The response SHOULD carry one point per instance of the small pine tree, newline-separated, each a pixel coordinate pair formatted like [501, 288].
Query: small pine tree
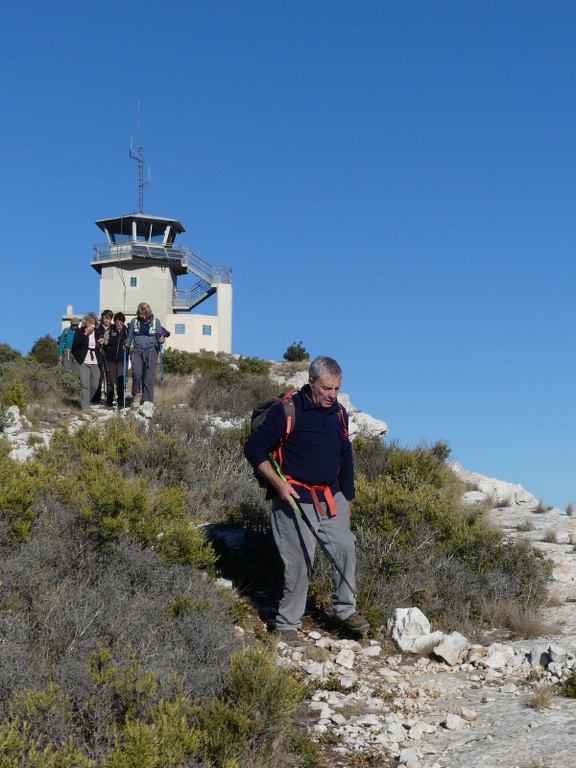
[296, 352]
[45, 351]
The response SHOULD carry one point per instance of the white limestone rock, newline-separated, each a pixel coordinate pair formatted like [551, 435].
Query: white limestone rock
[405, 625]
[451, 648]
[454, 722]
[503, 493]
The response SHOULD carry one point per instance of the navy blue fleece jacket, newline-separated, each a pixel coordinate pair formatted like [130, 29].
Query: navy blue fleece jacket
[315, 452]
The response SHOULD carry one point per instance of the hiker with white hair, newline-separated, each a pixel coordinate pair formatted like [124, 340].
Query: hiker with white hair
[85, 352]
[145, 337]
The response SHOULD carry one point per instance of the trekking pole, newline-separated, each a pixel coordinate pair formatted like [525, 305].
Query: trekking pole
[323, 547]
[125, 375]
[161, 375]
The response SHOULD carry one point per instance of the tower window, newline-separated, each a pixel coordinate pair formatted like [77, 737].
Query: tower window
[206, 330]
[180, 328]
[133, 282]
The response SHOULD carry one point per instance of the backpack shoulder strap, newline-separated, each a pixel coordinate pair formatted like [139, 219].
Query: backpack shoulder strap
[343, 421]
[289, 411]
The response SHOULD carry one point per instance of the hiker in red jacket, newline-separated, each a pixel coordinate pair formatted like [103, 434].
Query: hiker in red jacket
[316, 462]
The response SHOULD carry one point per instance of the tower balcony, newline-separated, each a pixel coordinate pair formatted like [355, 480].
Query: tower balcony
[173, 256]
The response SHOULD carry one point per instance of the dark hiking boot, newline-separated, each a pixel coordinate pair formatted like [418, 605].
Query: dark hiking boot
[290, 638]
[356, 623]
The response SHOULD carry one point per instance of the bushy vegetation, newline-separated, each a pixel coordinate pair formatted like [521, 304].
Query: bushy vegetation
[45, 351]
[419, 546]
[296, 352]
[119, 649]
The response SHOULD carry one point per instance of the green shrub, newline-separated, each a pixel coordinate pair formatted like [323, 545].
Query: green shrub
[417, 545]
[253, 365]
[259, 698]
[296, 352]
[166, 738]
[40, 383]
[177, 361]
[568, 688]
[14, 394]
[20, 484]
[45, 351]
[7, 354]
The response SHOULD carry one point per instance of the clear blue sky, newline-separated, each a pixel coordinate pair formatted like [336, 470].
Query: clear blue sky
[392, 182]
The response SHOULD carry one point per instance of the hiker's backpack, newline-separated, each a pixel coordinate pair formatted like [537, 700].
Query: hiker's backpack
[259, 417]
[261, 411]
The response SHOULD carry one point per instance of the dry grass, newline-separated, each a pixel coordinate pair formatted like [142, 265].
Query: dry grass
[542, 697]
[570, 509]
[527, 525]
[520, 621]
[542, 508]
[550, 536]
[174, 391]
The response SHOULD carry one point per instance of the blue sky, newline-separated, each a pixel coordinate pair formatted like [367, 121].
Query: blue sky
[392, 182]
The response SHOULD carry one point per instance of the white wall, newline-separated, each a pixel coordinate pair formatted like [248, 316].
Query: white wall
[154, 285]
[193, 339]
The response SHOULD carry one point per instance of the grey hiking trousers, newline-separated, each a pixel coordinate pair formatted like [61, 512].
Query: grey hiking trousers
[296, 546]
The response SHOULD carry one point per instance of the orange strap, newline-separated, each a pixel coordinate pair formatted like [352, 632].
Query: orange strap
[313, 492]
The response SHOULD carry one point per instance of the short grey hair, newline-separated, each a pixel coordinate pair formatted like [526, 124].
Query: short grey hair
[322, 365]
[144, 305]
[90, 316]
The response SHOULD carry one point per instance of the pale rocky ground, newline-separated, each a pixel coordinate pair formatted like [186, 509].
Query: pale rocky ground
[469, 708]
[474, 711]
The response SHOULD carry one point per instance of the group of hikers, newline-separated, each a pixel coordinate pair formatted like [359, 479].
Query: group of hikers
[103, 349]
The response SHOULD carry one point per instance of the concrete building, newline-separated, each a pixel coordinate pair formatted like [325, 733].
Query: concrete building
[140, 261]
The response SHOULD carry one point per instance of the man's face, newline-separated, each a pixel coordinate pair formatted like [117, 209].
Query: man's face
[325, 389]
[145, 314]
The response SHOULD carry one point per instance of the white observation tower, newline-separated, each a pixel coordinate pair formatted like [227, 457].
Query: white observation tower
[140, 261]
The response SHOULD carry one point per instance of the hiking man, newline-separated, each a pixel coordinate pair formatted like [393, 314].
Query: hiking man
[144, 339]
[315, 459]
[65, 345]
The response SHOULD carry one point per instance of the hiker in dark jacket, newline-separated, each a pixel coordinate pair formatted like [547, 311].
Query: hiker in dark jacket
[115, 352]
[85, 352]
[316, 460]
[104, 329]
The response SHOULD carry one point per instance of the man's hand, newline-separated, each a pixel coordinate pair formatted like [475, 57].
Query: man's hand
[284, 490]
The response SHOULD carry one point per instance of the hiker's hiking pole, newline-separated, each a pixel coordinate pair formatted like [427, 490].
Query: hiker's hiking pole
[161, 375]
[323, 547]
[125, 376]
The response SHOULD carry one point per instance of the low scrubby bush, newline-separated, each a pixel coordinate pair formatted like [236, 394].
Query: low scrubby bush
[418, 546]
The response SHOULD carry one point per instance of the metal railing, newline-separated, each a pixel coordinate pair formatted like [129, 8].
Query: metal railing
[179, 253]
[190, 297]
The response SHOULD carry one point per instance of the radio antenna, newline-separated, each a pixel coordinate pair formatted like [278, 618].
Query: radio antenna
[139, 157]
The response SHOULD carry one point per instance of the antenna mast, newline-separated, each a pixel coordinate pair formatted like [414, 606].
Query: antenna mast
[139, 157]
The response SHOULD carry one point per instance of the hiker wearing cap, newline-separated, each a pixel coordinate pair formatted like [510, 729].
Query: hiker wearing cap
[315, 479]
[115, 352]
[65, 345]
[85, 352]
[144, 340]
